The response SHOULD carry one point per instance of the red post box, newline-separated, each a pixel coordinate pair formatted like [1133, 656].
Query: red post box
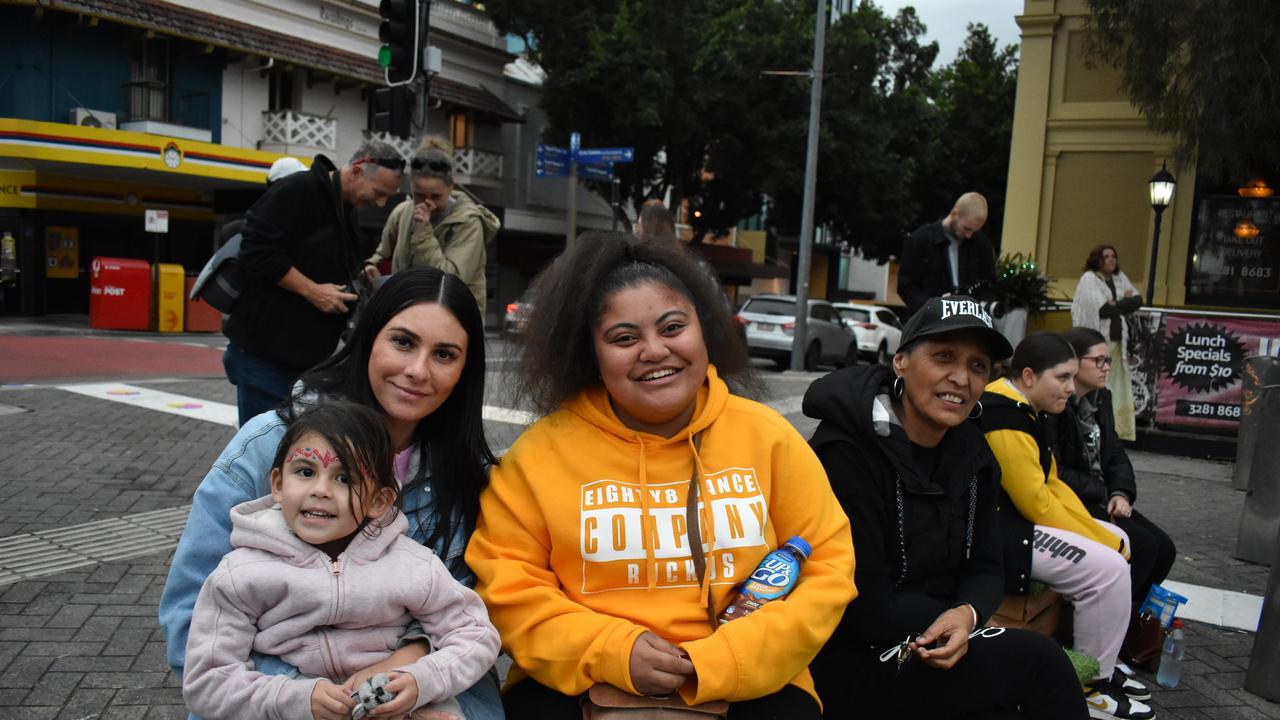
[119, 294]
[200, 315]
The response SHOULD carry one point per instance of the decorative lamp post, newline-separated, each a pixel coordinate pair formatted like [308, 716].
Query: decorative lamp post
[1161, 186]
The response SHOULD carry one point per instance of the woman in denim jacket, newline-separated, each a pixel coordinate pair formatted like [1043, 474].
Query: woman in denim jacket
[417, 356]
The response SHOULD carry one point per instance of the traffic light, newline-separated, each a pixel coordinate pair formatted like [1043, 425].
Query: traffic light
[400, 35]
[391, 111]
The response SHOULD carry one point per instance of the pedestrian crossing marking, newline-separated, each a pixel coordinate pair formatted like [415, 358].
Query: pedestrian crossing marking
[222, 413]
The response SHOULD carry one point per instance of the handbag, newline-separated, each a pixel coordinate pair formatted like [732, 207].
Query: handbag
[1143, 641]
[606, 702]
[222, 279]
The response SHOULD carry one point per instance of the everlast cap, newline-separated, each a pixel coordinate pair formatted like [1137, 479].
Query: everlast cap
[956, 313]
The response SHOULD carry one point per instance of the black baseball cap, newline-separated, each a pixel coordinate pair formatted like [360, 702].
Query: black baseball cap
[956, 313]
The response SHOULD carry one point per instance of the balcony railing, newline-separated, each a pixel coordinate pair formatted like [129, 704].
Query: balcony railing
[473, 163]
[290, 127]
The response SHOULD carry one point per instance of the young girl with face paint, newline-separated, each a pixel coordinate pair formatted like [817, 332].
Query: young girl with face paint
[1050, 536]
[619, 524]
[323, 576]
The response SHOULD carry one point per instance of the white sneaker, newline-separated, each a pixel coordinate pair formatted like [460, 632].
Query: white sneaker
[1134, 689]
[1128, 671]
[1109, 702]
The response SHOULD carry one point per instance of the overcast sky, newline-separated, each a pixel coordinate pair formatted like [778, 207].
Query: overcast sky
[946, 20]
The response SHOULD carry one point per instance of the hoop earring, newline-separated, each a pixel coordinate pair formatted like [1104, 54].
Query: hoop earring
[898, 386]
[976, 412]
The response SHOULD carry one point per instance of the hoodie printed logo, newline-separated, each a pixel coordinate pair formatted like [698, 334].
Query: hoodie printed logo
[622, 547]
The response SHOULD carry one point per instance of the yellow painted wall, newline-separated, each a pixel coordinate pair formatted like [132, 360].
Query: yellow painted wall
[1080, 159]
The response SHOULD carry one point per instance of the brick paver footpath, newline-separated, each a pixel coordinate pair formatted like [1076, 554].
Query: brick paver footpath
[84, 643]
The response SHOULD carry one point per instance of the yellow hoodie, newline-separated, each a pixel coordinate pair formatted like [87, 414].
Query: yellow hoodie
[572, 576]
[1048, 502]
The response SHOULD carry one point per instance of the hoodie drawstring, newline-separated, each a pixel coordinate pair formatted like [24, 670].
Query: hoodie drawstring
[695, 482]
[646, 536]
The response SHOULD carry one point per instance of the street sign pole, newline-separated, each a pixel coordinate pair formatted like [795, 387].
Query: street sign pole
[810, 187]
[571, 226]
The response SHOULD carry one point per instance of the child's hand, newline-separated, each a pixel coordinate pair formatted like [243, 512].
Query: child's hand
[330, 702]
[406, 689]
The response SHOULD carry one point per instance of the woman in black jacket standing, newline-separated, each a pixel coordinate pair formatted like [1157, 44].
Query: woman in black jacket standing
[1092, 461]
[920, 487]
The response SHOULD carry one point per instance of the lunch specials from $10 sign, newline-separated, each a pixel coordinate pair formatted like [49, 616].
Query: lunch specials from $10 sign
[613, 525]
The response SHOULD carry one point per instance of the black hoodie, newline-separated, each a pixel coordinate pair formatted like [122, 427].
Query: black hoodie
[946, 523]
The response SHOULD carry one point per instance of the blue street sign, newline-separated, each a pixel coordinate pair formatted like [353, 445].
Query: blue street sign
[600, 156]
[554, 153]
[596, 172]
[550, 167]
[575, 142]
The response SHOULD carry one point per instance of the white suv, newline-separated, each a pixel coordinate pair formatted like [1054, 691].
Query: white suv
[878, 330]
[769, 322]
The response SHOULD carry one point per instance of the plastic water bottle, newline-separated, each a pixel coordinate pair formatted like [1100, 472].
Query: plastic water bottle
[773, 578]
[1171, 657]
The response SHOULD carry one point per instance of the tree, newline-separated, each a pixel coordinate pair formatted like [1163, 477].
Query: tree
[974, 96]
[1203, 71]
[678, 81]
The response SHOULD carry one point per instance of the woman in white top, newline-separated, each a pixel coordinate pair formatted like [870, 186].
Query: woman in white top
[1104, 297]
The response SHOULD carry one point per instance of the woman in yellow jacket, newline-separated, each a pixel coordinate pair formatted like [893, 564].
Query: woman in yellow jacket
[1050, 536]
[597, 564]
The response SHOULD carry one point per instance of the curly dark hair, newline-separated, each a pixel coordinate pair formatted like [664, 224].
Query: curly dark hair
[1094, 261]
[557, 358]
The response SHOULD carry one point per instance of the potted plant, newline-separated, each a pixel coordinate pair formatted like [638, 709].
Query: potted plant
[1023, 289]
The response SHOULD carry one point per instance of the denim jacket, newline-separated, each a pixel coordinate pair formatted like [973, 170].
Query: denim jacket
[241, 473]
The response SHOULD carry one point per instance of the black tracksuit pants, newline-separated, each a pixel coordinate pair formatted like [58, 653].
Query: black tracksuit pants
[1004, 674]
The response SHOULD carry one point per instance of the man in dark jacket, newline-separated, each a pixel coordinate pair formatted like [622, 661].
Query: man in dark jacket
[300, 249]
[947, 256]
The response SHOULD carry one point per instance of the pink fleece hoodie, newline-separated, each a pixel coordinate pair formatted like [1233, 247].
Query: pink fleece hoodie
[277, 595]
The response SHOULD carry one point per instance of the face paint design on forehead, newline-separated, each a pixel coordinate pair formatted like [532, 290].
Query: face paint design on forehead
[325, 459]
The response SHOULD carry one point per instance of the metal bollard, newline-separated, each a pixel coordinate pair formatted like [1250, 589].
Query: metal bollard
[1260, 520]
[1259, 370]
[1263, 676]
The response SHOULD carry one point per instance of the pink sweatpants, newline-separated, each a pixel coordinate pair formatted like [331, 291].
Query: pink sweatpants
[1092, 577]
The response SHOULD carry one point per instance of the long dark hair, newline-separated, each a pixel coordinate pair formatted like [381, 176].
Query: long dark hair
[1040, 351]
[359, 437]
[451, 442]
[558, 357]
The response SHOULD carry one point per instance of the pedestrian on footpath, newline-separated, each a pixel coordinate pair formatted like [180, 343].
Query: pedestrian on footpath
[920, 487]
[614, 532]
[300, 250]
[1050, 536]
[323, 576]
[949, 256]
[442, 225]
[416, 356]
[1105, 300]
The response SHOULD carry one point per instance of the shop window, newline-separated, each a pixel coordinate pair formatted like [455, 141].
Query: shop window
[461, 129]
[148, 85]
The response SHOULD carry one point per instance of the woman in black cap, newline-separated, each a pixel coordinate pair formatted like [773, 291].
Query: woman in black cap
[920, 486]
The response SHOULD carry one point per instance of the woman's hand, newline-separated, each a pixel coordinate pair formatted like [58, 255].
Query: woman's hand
[1118, 506]
[657, 666]
[331, 702]
[422, 210]
[406, 689]
[411, 652]
[952, 629]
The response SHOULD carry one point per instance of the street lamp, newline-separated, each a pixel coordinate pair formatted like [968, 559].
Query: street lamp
[1161, 186]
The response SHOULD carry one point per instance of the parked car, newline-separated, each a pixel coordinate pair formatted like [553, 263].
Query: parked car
[517, 316]
[877, 328]
[770, 322]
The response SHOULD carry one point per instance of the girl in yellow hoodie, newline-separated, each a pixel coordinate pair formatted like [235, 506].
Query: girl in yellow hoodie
[583, 549]
[1050, 536]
